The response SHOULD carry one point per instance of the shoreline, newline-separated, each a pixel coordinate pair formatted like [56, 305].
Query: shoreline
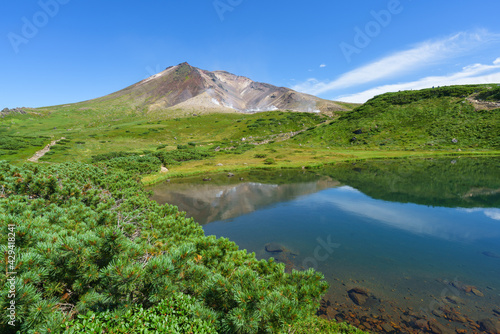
[199, 167]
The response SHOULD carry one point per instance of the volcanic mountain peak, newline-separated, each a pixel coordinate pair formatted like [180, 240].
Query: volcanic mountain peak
[186, 87]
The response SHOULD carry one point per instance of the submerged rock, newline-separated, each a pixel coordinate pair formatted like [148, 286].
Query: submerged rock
[491, 254]
[436, 328]
[489, 326]
[462, 287]
[387, 328]
[359, 295]
[477, 292]
[454, 300]
[421, 324]
[273, 247]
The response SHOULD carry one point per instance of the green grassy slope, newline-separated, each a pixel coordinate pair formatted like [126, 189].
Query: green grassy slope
[429, 119]
[90, 132]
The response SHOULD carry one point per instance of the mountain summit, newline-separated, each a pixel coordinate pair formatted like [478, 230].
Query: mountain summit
[187, 87]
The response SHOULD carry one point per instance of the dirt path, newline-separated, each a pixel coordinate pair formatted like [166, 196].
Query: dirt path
[42, 152]
[481, 105]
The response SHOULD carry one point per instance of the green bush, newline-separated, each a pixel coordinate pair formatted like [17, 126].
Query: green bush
[178, 313]
[110, 155]
[92, 240]
[16, 143]
[137, 164]
[492, 94]
[260, 156]
[180, 155]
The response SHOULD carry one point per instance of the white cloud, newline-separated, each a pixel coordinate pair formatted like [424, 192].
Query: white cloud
[490, 213]
[421, 55]
[473, 74]
[348, 189]
[497, 61]
[412, 218]
[324, 65]
[493, 214]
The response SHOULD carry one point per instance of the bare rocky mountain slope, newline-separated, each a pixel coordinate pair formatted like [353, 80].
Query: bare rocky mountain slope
[187, 87]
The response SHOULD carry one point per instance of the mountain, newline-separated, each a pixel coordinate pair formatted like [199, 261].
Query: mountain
[190, 88]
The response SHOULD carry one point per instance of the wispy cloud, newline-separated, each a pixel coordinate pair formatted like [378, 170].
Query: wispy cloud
[412, 218]
[322, 65]
[491, 213]
[474, 74]
[402, 62]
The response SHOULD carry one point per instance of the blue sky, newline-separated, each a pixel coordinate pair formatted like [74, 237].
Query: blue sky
[62, 51]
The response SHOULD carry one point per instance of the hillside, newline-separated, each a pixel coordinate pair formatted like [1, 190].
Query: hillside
[455, 117]
[429, 121]
[189, 88]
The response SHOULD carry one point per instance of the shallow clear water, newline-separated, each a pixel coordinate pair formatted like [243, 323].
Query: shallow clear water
[414, 260]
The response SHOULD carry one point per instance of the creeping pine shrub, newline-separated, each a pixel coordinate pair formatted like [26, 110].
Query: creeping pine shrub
[179, 313]
[180, 155]
[110, 155]
[141, 165]
[92, 241]
[16, 143]
[492, 94]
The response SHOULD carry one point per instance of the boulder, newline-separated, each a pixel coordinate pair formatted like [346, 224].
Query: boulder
[358, 295]
[436, 328]
[477, 292]
[489, 326]
[454, 300]
[274, 247]
[491, 254]
[421, 324]
[387, 328]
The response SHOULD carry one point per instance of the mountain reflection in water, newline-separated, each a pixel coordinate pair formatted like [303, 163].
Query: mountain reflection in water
[207, 202]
